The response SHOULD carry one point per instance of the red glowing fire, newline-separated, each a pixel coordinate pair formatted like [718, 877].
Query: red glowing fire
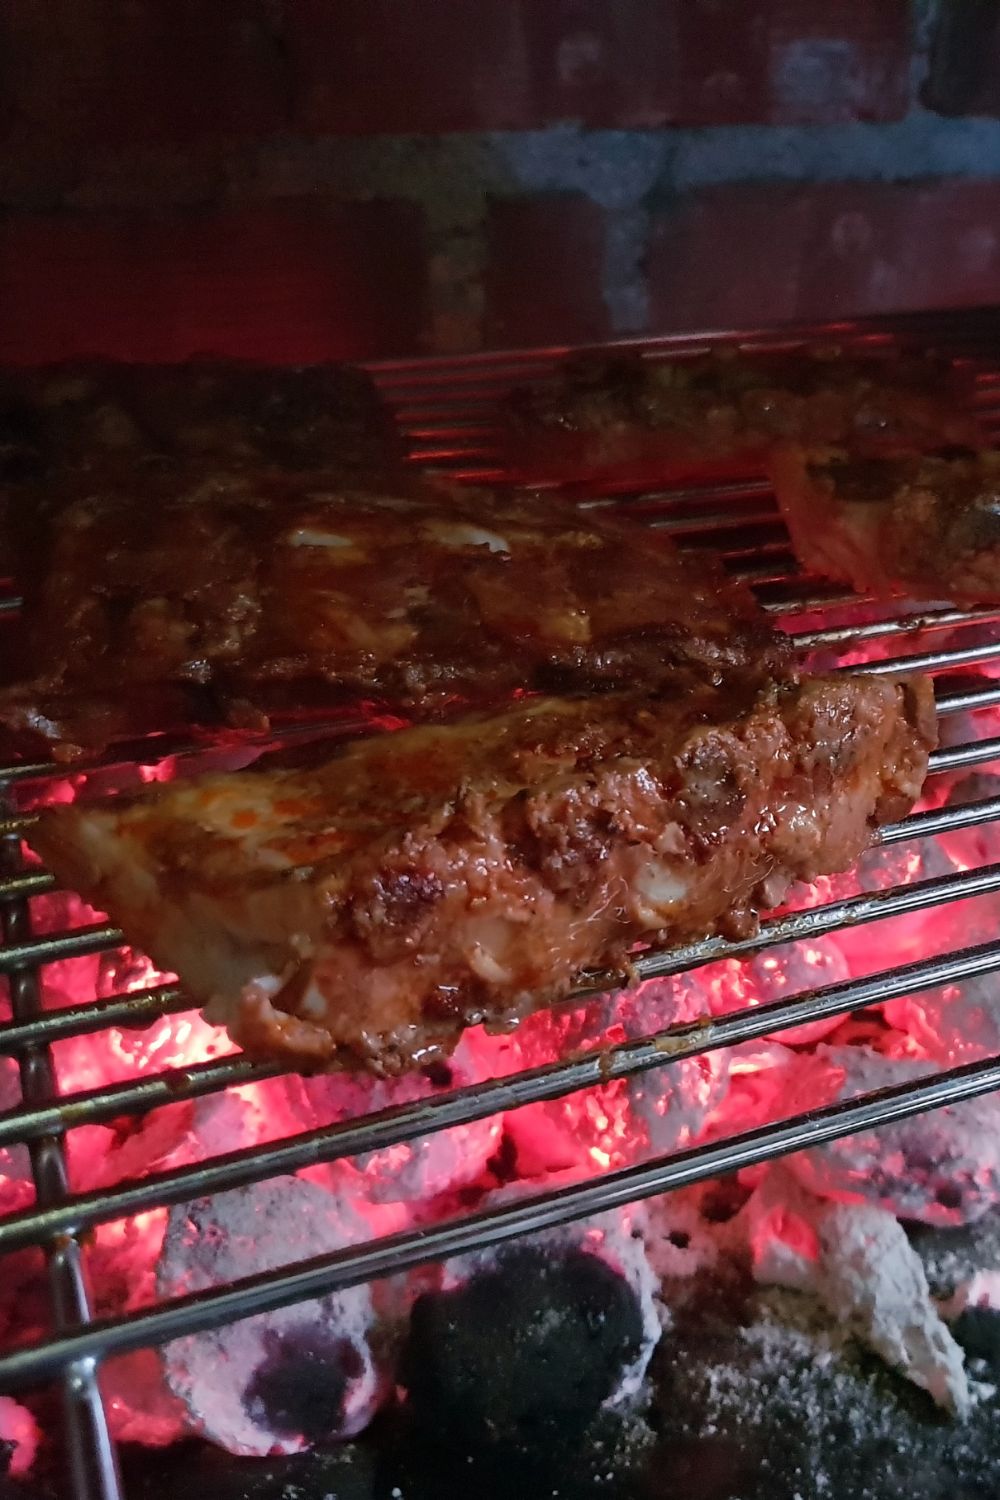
[133, 1261]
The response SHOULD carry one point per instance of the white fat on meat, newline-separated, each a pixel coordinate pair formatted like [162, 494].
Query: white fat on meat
[657, 888]
[461, 534]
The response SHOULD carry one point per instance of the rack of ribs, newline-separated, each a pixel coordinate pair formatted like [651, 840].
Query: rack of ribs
[364, 909]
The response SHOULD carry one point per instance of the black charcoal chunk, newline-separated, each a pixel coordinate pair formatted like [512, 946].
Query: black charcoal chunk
[536, 1342]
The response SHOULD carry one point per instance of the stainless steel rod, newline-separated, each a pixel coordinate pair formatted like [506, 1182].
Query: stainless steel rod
[967, 701]
[393, 1254]
[813, 922]
[74, 943]
[137, 1010]
[133, 1097]
[972, 753]
[30, 883]
[392, 1127]
[940, 820]
[915, 624]
[926, 661]
[93, 1461]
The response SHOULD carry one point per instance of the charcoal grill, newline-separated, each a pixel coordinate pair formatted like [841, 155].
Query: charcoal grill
[446, 407]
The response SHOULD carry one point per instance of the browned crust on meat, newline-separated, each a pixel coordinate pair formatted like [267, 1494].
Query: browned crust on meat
[98, 415]
[102, 422]
[364, 911]
[636, 420]
[927, 526]
[237, 589]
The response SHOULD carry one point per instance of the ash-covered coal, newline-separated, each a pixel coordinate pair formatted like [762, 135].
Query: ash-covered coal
[942, 1167]
[301, 1387]
[856, 1258]
[276, 1382]
[19, 1438]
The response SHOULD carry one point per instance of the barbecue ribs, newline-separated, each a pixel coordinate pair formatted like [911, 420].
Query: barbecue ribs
[101, 414]
[88, 425]
[639, 421]
[363, 911]
[927, 526]
[231, 595]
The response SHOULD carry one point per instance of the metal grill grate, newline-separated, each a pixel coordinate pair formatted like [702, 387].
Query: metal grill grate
[445, 405]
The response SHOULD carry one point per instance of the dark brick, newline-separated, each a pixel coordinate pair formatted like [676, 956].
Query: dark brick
[792, 61]
[725, 76]
[726, 258]
[603, 64]
[544, 271]
[739, 257]
[950, 241]
[837, 60]
[368, 66]
[964, 74]
[287, 282]
[125, 72]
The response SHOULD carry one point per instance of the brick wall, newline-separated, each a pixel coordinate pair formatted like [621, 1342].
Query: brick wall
[354, 177]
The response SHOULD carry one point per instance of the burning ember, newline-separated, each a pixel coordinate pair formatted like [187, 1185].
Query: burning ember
[825, 1221]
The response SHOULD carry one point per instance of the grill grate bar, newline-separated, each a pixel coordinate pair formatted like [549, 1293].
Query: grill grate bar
[74, 943]
[133, 1097]
[445, 399]
[822, 597]
[904, 625]
[975, 753]
[159, 748]
[968, 701]
[97, 939]
[940, 820]
[392, 1254]
[143, 1095]
[93, 1456]
[394, 1126]
[711, 525]
[820, 921]
[20, 887]
[135, 1010]
[928, 661]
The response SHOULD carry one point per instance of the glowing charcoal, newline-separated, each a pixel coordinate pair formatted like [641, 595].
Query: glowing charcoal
[941, 1168]
[617, 1122]
[275, 1383]
[777, 974]
[19, 1438]
[415, 1171]
[16, 1187]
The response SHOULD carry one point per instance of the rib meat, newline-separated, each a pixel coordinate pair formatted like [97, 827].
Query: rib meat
[927, 526]
[639, 421]
[362, 911]
[99, 414]
[233, 594]
[104, 421]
